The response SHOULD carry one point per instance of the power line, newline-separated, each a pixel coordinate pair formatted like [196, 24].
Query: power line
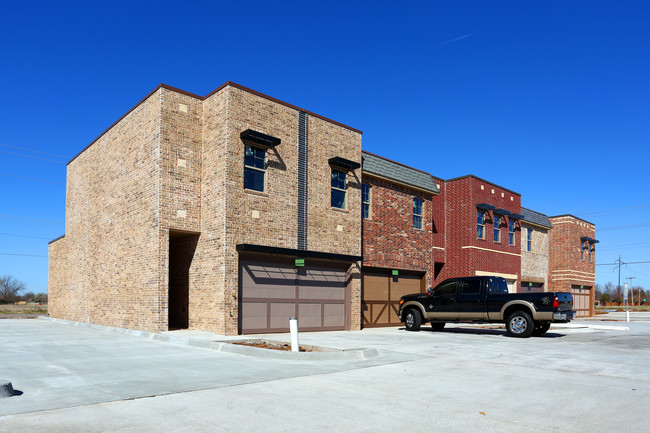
[24, 236]
[31, 219]
[32, 150]
[29, 178]
[606, 229]
[613, 209]
[22, 255]
[616, 264]
[33, 157]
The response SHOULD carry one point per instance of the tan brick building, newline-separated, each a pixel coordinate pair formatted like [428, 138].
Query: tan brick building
[535, 228]
[187, 208]
[572, 260]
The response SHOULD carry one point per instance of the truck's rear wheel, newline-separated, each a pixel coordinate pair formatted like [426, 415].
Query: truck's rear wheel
[437, 326]
[413, 320]
[520, 324]
[541, 328]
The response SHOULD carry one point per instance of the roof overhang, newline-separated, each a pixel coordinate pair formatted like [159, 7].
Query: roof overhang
[259, 138]
[485, 207]
[346, 164]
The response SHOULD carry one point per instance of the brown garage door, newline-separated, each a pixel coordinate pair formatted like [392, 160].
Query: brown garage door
[272, 292]
[381, 293]
[581, 301]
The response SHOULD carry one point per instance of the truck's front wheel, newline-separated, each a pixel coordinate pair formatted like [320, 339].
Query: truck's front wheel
[520, 324]
[413, 320]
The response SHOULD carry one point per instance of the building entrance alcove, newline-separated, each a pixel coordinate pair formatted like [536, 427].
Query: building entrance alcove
[182, 246]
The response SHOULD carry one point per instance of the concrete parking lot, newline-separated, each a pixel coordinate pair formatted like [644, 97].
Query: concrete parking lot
[590, 377]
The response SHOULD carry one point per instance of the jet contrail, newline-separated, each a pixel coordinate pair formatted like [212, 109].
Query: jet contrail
[455, 40]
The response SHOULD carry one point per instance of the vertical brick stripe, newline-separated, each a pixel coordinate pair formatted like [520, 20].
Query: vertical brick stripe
[303, 136]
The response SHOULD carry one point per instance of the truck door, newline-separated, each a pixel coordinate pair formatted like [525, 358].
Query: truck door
[468, 300]
[441, 304]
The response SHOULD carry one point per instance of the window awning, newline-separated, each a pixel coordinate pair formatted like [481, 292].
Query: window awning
[259, 138]
[485, 207]
[588, 239]
[343, 163]
[501, 212]
[515, 216]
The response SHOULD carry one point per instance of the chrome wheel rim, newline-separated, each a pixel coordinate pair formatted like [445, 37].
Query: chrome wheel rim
[518, 324]
[409, 320]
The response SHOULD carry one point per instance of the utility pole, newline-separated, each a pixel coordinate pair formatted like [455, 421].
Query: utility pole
[632, 290]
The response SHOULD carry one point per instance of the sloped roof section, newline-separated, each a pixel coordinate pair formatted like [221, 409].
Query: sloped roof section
[536, 218]
[400, 173]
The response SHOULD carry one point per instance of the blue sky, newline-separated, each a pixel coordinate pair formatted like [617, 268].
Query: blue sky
[549, 99]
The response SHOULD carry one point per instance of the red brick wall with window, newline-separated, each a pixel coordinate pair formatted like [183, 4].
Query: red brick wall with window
[565, 265]
[464, 253]
[389, 239]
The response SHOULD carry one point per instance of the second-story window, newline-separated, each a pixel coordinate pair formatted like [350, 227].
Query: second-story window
[480, 224]
[529, 240]
[417, 213]
[365, 201]
[497, 228]
[339, 189]
[255, 169]
[582, 250]
[589, 246]
[511, 232]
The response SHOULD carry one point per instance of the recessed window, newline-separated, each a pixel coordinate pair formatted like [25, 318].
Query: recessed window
[480, 224]
[589, 246]
[417, 213]
[365, 201]
[254, 169]
[511, 232]
[529, 240]
[497, 228]
[339, 189]
[582, 250]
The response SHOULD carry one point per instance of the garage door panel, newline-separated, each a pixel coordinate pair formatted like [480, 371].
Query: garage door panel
[329, 293]
[381, 293]
[334, 315]
[310, 315]
[280, 314]
[404, 286]
[375, 287]
[314, 294]
[254, 315]
[268, 281]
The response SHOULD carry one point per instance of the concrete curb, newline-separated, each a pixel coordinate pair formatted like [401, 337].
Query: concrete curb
[590, 326]
[326, 354]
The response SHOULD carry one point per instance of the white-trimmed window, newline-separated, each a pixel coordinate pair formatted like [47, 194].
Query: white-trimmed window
[417, 213]
[339, 189]
[497, 228]
[480, 224]
[511, 232]
[365, 201]
[529, 240]
[255, 169]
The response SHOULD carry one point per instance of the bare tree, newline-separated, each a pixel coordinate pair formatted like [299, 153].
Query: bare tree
[10, 287]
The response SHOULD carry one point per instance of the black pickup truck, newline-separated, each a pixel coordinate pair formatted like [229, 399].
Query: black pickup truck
[485, 300]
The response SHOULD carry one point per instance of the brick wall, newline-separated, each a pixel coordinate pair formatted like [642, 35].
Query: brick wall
[566, 268]
[465, 254]
[389, 239]
[534, 263]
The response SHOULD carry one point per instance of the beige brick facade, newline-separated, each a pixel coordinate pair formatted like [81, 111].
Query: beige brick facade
[169, 175]
[534, 263]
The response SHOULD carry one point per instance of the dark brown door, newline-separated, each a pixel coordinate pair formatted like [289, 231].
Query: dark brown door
[381, 293]
[274, 291]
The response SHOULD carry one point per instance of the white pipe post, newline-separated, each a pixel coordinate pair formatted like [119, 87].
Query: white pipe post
[293, 327]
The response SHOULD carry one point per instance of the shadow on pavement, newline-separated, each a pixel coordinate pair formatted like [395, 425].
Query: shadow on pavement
[483, 331]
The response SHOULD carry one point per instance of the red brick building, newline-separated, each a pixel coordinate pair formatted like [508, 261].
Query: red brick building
[481, 230]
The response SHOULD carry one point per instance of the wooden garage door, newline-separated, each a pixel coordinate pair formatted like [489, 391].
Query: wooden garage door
[272, 292]
[581, 301]
[381, 293]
